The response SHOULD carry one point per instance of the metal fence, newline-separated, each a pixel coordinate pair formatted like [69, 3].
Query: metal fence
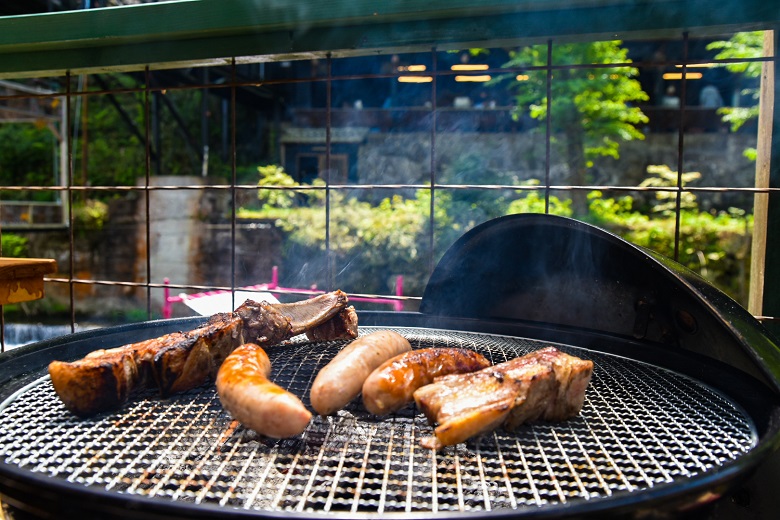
[392, 151]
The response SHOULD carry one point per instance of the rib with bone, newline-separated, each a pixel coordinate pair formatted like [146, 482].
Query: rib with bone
[179, 361]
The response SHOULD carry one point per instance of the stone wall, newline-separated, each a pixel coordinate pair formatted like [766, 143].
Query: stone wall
[405, 157]
[190, 244]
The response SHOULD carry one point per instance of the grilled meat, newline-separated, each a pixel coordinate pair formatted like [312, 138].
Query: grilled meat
[178, 361]
[391, 386]
[342, 378]
[344, 325]
[543, 385]
[251, 398]
[101, 382]
[182, 364]
[565, 395]
[309, 314]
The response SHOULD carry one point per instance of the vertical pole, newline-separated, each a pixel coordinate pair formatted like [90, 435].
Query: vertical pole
[69, 196]
[233, 181]
[167, 311]
[84, 136]
[64, 129]
[763, 163]
[330, 273]
[548, 130]
[771, 297]
[147, 181]
[680, 150]
[204, 124]
[432, 208]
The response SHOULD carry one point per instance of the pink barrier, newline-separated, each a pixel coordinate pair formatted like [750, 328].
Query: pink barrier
[167, 310]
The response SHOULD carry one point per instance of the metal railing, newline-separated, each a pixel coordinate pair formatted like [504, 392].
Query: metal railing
[148, 91]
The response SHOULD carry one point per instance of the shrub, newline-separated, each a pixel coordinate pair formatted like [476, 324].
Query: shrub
[14, 246]
[369, 243]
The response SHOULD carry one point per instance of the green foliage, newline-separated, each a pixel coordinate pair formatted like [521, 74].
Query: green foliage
[532, 201]
[467, 206]
[272, 175]
[382, 239]
[661, 176]
[715, 245]
[90, 215]
[26, 159]
[391, 237]
[591, 106]
[741, 46]
[594, 101]
[14, 246]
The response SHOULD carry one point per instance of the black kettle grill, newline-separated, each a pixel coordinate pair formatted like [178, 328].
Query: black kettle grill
[680, 419]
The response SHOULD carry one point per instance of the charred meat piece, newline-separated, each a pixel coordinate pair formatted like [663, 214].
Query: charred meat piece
[543, 385]
[263, 323]
[178, 361]
[101, 382]
[177, 366]
[566, 393]
[343, 325]
[308, 314]
[104, 379]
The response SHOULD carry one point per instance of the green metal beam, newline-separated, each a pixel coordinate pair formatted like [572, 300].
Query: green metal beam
[164, 35]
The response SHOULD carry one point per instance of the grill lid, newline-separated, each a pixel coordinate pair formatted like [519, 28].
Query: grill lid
[562, 272]
[644, 432]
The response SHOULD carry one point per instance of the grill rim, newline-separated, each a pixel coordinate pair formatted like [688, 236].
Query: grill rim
[19, 486]
[85, 500]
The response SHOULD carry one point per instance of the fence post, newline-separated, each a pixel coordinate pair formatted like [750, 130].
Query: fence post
[166, 310]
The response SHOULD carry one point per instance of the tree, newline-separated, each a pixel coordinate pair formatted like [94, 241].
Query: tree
[26, 158]
[744, 45]
[590, 106]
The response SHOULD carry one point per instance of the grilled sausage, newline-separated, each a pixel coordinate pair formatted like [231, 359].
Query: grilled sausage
[341, 380]
[391, 386]
[253, 400]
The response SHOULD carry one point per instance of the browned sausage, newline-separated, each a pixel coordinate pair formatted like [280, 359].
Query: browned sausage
[340, 380]
[253, 400]
[391, 386]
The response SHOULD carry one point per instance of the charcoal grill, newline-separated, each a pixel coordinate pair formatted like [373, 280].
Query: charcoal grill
[682, 408]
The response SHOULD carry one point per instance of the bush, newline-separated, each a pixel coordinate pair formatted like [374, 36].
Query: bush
[370, 243]
[714, 245]
[90, 215]
[14, 246]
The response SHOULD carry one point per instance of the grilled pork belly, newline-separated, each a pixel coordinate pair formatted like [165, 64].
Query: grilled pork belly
[182, 364]
[179, 361]
[543, 385]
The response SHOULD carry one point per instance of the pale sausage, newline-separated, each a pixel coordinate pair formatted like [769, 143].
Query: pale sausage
[391, 386]
[341, 380]
[247, 394]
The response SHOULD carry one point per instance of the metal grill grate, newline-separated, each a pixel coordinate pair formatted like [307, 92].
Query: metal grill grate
[641, 427]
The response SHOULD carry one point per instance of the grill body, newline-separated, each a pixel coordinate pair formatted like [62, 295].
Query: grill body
[668, 425]
[646, 435]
